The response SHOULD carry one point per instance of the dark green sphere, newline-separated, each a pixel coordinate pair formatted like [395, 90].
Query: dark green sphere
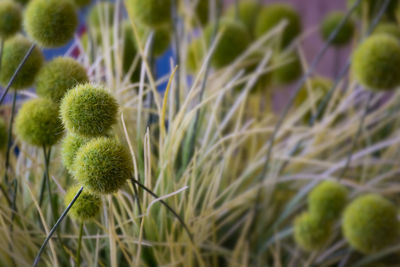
[58, 76]
[14, 51]
[161, 38]
[51, 23]
[3, 134]
[10, 18]
[86, 207]
[329, 25]
[248, 14]
[102, 13]
[288, 68]
[152, 13]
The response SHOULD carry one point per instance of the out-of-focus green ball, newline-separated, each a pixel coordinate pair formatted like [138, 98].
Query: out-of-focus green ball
[288, 72]
[372, 7]
[391, 29]
[248, 14]
[86, 207]
[3, 134]
[10, 18]
[161, 38]
[152, 13]
[329, 25]
[102, 13]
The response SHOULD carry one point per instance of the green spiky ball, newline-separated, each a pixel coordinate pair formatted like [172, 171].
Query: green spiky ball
[331, 22]
[289, 70]
[82, 3]
[310, 232]
[10, 18]
[327, 200]
[152, 13]
[51, 23]
[86, 207]
[70, 146]
[88, 110]
[370, 223]
[233, 41]
[161, 38]
[391, 29]
[14, 51]
[58, 76]
[376, 62]
[248, 14]
[270, 16]
[3, 134]
[102, 165]
[38, 123]
[102, 13]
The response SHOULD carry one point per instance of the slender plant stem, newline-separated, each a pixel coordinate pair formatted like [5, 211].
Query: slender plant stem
[177, 54]
[60, 219]
[44, 178]
[21, 64]
[46, 164]
[78, 251]
[9, 136]
[1, 50]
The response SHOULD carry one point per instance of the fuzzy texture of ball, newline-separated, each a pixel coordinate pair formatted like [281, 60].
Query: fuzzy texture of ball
[310, 233]
[248, 14]
[14, 51]
[370, 223]
[88, 110]
[58, 76]
[271, 15]
[376, 62]
[329, 25]
[161, 38]
[152, 13]
[289, 71]
[3, 134]
[102, 165]
[38, 123]
[82, 3]
[10, 18]
[86, 207]
[51, 23]
[70, 146]
[102, 13]
[233, 41]
[327, 200]
[391, 29]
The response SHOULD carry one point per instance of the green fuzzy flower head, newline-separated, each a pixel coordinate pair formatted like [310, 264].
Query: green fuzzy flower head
[376, 62]
[58, 76]
[161, 38]
[270, 16]
[38, 123]
[288, 72]
[51, 23]
[86, 207]
[10, 18]
[234, 41]
[329, 25]
[102, 165]
[370, 223]
[152, 13]
[3, 134]
[14, 51]
[88, 110]
[391, 29]
[70, 146]
[82, 3]
[101, 14]
[248, 14]
[327, 200]
[310, 232]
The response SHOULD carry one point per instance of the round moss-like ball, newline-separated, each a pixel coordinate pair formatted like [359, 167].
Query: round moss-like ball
[14, 51]
[370, 223]
[270, 16]
[152, 13]
[10, 18]
[38, 123]
[202, 11]
[51, 23]
[391, 29]
[161, 38]
[82, 3]
[376, 62]
[327, 200]
[102, 13]
[70, 146]
[58, 76]
[102, 165]
[233, 41]
[3, 134]
[289, 71]
[88, 110]
[86, 207]
[329, 25]
[310, 232]
[248, 14]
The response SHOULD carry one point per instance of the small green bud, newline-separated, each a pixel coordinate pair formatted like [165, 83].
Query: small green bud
[3, 134]
[161, 38]
[88, 110]
[270, 16]
[58, 76]
[86, 207]
[70, 146]
[10, 18]
[391, 29]
[152, 13]
[289, 72]
[329, 25]
[376, 62]
[102, 165]
[102, 13]
[310, 232]
[370, 223]
[82, 3]
[248, 14]
[38, 122]
[51, 23]
[14, 51]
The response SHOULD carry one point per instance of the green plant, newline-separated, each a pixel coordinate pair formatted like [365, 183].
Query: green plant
[14, 51]
[86, 207]
[102, 13]
[161, 38]
[388, 28]
[38, 123]
[88, 110]
[3, 134]
[152, 13]
[248, 14]
[70, 146]
[195, 55]
[375, 62]
[370, 223]
[58, 76]
[288, 68]
[102, 165]
[371, 7]
[10, 18]
[51, 23]
[82, 3]
[331, 22]
[22, 2]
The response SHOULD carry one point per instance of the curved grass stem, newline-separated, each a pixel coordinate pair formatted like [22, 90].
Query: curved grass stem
[78, 251]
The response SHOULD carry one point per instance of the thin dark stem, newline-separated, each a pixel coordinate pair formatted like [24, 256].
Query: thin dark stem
[9, 137]
[177, 54]
[177, 216]
[43, 185]
[21, 64]
[1, 50]
[136, 191]
[60, 219]
[46, 165]
[78, 252]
